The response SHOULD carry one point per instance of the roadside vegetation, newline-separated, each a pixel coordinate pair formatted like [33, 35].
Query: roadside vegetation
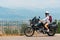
[20, 30]
[16, 31]
[58, 30]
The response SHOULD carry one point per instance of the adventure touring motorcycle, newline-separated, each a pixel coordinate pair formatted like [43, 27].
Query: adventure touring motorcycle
[35, 26]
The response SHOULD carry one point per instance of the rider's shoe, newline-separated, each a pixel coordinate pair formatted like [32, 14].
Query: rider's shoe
[48, 30]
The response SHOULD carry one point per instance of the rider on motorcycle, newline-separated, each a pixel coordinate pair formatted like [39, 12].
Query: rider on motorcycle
[46, 20]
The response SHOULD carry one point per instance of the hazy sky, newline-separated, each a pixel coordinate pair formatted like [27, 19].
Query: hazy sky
[30, 3]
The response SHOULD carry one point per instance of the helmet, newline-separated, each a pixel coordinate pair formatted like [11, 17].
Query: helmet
[47, 12]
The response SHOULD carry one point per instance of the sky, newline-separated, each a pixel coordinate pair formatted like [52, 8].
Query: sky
[30, 3]
[23, 8]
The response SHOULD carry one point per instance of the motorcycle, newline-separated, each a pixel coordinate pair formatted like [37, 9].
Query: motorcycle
[36, 26]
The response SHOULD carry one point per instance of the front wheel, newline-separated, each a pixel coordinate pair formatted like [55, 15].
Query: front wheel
[29, 32]
[51, 32]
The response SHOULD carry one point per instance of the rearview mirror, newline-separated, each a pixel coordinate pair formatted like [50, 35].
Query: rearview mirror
[39, 16]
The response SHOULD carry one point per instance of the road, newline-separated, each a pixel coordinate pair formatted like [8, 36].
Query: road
[56, 37]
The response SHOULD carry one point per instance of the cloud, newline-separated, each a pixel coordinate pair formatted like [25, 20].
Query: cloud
[30, 3]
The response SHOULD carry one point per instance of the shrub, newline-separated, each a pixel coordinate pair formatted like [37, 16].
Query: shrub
[58, 30]
[15, 31]
[7, 31]
[23, 26]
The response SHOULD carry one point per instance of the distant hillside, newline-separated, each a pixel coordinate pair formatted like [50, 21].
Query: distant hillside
[24, 14]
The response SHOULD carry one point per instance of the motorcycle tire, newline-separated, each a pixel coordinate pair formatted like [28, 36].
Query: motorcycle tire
[25, 32]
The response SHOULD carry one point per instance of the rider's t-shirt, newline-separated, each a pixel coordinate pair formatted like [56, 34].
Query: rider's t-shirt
[46, 20]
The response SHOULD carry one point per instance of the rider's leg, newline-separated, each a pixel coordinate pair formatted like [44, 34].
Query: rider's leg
[46, 26]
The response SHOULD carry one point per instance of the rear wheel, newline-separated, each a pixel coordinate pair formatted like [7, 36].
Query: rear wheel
[29, 32]
[51, 32]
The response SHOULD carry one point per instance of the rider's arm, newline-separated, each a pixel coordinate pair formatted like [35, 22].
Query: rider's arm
[46, 18]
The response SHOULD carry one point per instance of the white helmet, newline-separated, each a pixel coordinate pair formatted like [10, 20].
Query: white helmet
[47, 12]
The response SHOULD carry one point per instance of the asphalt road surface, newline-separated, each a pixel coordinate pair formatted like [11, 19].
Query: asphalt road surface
[36, 37]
